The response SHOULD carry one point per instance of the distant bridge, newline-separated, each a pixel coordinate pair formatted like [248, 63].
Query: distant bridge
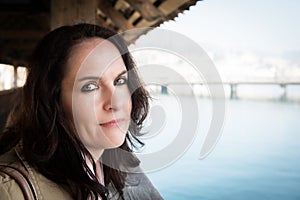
[233, 86]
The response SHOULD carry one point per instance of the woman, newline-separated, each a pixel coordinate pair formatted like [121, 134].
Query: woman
[79, 114]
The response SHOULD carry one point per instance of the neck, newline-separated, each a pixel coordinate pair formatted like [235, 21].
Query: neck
[99, 172]
[96, 154]
[99, 169]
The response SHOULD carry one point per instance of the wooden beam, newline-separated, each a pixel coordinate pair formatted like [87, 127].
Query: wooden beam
[131, 37]
[21, 34]
[168, 7]
[116, 17]
[39, 20]
[146, 9]
[102, 22]
[68, 12]
[8, 45]
[15, 58]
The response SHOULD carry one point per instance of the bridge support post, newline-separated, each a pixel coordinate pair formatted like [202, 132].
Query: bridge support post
[284, 95]
[164, 89]
[233, 94]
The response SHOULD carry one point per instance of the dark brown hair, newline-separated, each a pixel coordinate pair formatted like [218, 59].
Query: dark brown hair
[38, 121]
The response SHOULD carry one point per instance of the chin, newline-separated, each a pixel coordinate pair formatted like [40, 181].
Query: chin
[116, 144]
[114, 140]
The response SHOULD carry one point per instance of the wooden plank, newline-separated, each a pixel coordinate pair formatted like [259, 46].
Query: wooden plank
[102, 22]
[116, 17]
[170, 6]
[146, 8]
[121, 4]
[144, 23]
[68, 12]
[134, 17]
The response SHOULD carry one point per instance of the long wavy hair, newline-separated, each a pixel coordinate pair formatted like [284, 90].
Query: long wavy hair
[49, 142]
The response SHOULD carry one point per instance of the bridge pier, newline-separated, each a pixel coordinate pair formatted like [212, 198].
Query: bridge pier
[284, 95]
[233, 94]
[164, 89]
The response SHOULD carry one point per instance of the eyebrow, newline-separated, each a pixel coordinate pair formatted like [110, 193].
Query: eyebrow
[99, 78]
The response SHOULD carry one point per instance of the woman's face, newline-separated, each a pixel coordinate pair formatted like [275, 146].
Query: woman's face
[95, 95]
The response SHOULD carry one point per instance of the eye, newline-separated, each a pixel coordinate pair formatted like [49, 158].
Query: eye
[120, 81]
[89, 87]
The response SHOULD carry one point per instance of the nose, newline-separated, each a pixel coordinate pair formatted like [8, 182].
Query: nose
[107, 95]
[111, 98]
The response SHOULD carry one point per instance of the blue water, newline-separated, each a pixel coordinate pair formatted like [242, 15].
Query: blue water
[257, 157]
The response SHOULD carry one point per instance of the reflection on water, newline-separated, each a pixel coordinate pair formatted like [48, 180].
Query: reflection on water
[257, 157]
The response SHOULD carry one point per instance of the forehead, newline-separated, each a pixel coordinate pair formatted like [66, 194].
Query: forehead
[93, 56]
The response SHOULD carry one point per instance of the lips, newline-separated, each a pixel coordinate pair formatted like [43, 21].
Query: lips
[112, 123]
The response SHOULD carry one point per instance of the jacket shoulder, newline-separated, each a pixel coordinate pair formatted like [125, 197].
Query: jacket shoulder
[45, 188]
[9, 157]
[9, 188]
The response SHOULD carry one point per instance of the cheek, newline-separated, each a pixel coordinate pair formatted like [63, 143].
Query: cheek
[75, 107]
[84, 108]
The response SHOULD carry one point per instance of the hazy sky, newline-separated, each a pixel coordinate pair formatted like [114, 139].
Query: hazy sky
[248, 40]
[266, 26]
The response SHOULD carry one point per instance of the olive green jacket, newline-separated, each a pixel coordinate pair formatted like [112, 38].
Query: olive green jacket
[46, 189]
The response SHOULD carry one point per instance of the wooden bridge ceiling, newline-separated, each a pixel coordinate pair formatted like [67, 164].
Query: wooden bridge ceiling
[24, 22]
